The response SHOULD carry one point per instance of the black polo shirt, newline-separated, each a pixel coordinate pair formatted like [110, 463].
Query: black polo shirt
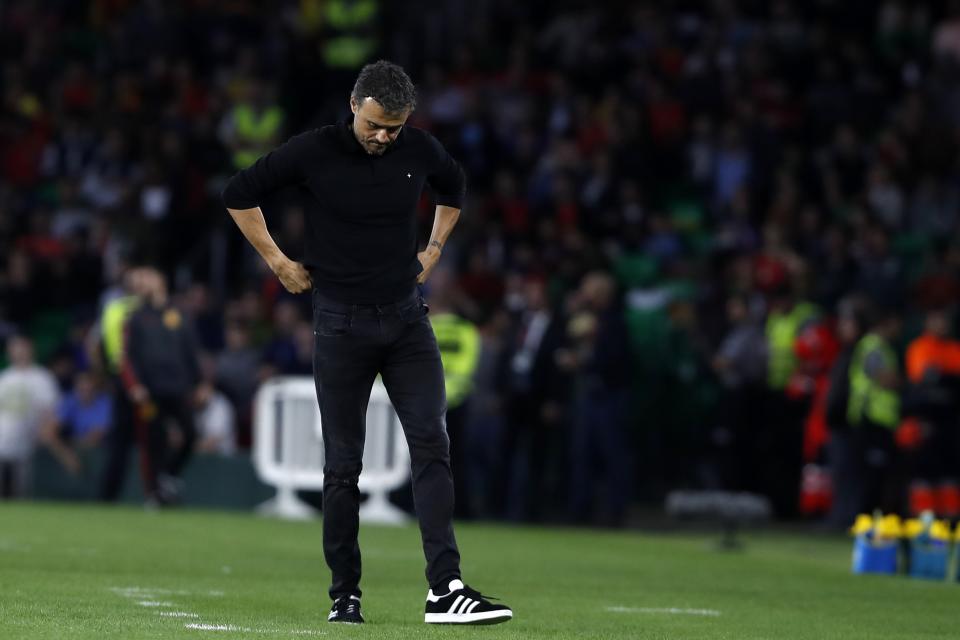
[361, 222]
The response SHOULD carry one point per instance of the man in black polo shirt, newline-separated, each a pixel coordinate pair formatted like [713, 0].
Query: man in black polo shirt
[362, 180]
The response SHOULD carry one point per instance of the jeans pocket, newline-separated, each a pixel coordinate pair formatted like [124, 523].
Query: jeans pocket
[331, 324]
[415, 311]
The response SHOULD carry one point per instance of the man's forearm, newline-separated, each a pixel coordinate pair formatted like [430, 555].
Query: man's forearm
[254, 229]
[444, 220]
[292, 275]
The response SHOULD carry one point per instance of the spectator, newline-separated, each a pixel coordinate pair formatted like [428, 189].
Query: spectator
[532, 391]
[842, 454]
[486, 426]
[238, 374]
[214, 415]
[280, 354]
[933, 375]
[817, 348]
[601, 379]
[28, 400]
[740, 364]
[82, 421]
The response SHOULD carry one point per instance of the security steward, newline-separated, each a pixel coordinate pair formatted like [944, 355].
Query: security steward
[459, 341]
[161, 374]
[873, 410]
[121, 436]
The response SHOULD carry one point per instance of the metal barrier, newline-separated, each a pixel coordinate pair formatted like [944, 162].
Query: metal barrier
[288, 450]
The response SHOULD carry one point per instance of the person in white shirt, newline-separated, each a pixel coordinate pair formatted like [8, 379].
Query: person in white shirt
[28, 399]
[216, 432]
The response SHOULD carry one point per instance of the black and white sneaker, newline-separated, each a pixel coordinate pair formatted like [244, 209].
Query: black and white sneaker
[463, 605]
[346, 609]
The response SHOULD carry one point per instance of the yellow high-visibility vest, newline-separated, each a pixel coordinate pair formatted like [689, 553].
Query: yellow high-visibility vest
[353, 41]
[459, 342]
[255, 132]
[112, 319]
[782, 331]
[868, 399]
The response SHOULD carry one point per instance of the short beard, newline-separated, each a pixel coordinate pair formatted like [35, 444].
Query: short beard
[371, 148]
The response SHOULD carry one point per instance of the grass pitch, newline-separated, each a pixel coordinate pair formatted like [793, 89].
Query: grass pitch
[82, 572]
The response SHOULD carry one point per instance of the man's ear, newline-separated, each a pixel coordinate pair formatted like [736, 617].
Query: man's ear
[353, 105]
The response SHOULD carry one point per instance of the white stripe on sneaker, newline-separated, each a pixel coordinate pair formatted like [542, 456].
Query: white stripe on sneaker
[466, 603]
[456, 603]
[480, 617]
[473, 606]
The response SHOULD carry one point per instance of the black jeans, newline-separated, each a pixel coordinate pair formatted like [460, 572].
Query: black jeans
[353, 344]
[155, 454]
[130, 427]
[120, 440]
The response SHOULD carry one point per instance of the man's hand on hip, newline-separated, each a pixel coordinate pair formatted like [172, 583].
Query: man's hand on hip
[428, 260]
[293, 276]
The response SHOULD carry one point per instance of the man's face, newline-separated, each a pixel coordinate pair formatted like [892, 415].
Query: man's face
[19, 351]
[938, 323]
[374, 128]
[892, 327]
[85, 387]
[848, 328]
[536, 295]
[151, 282]
[135, 281]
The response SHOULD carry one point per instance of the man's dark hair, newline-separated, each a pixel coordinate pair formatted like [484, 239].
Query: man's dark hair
[388, 84]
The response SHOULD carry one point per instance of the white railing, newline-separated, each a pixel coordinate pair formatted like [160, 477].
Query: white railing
[288, 450]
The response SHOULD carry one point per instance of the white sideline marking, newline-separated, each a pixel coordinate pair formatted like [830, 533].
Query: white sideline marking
[199, 626]
[154, 603]
[667, 610]
[179, 614]
[144, 592]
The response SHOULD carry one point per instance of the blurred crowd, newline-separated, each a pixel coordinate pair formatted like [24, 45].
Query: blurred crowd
[705, 244]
